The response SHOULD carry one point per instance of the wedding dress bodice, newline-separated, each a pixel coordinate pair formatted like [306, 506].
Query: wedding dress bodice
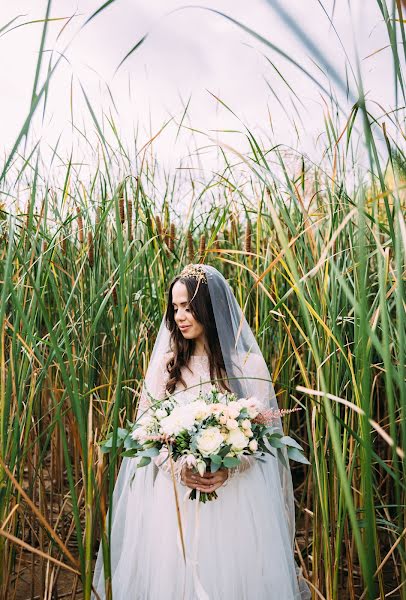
[196, 376]
[197, 379]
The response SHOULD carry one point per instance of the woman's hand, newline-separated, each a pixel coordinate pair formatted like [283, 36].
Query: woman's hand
[206, 483]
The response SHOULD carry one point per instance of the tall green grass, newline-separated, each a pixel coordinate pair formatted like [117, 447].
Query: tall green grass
[317, 263]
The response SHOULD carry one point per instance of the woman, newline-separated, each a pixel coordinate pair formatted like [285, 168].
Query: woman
[240, 545]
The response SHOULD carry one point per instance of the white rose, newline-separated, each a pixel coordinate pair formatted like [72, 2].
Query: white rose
[199, 409]
[248, 432]
[209, 441]
[234, 409]
[246, 424]
[232, 424]
[253, 445]
[252, 405]
[237, 440]
[223, 419]
[179, 420]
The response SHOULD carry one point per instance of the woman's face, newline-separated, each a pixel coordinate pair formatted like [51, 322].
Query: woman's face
[189, 327]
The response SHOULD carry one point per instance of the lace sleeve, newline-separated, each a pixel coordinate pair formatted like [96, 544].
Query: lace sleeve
[155, 384]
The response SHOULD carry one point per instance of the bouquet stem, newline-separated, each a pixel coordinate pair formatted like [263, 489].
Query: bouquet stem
[203, 496]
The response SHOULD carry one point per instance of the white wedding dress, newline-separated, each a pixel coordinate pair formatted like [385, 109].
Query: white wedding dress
[237, 546]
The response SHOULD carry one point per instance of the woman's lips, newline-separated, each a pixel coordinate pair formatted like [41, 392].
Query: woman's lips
[184, 328]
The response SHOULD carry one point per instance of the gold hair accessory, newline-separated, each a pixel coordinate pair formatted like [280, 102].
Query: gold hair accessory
[195, 271]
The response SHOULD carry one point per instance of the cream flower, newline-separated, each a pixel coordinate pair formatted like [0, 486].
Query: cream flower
[201, 467]
[253, 445]
[237, 440]
[200, 409]
[234, 409]
[252, 405]
[232, 424]
[209, 441]
[179, 420]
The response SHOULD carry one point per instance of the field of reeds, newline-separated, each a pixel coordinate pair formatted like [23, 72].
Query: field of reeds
[317, 262]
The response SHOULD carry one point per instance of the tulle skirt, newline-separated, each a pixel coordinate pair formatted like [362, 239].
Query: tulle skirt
[237, 546]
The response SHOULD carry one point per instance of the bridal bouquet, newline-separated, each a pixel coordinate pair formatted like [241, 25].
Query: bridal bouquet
[212, 432]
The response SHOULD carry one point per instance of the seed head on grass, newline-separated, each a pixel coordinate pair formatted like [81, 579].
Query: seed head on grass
[190, 247]
[121, 209]
[130, 220]
[80, 225]
[114, 295]
[166, 237]
[202, 246]
[159, 225]
[172, 237]
[234, 226]
[63, 243]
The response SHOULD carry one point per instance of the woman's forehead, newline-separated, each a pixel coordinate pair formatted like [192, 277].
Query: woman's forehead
[179, 293]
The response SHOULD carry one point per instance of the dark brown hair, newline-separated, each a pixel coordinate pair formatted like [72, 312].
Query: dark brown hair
[202, 310]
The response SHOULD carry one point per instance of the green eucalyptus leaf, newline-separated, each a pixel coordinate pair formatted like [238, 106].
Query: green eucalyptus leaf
[225, 450]
[281, 457]
[288, 441]
[149, 452]
[122, 433]
[131, 453]
[295, 454]
[231, 461]
[214, 467]
[216, 459]
[275, 441]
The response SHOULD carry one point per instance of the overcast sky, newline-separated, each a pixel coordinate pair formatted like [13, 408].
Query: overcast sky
[190, 53]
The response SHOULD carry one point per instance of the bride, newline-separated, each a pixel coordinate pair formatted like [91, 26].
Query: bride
[238, 546]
